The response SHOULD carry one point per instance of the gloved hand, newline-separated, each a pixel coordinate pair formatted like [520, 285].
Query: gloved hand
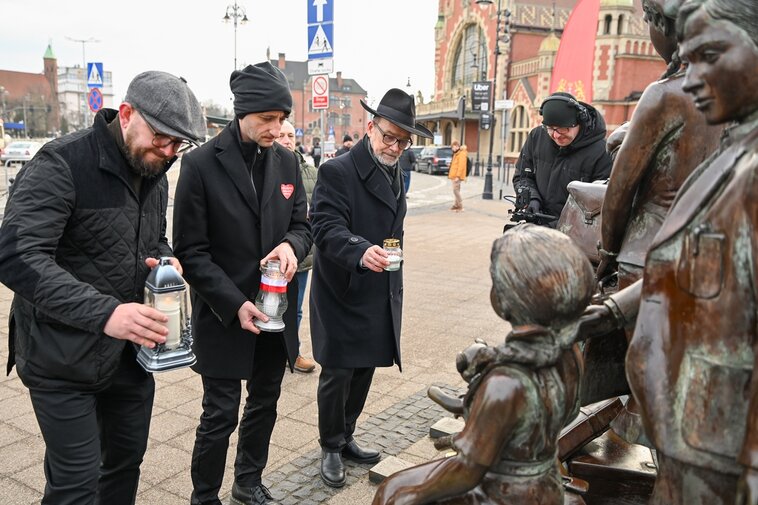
[534, 206]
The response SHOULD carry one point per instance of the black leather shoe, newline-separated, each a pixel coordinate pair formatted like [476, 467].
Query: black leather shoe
[332, 469]
[256, 495]
[354, 452]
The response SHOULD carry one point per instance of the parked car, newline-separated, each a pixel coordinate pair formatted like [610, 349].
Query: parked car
[435, 159]
[417, 151]
[20, 151]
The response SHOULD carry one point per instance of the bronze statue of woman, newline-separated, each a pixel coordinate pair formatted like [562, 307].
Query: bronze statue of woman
[666, 140]
[691, 363]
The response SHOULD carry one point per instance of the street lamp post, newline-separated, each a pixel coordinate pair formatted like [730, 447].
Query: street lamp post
[84, 42]
[487, 192]
[235, 13]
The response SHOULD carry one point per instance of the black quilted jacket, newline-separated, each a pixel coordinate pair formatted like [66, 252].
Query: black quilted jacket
[72, 247]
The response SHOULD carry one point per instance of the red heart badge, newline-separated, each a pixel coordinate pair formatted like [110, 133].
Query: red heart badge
[287, 190]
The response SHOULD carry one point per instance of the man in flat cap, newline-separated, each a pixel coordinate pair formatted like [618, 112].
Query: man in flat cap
[568, 146]
[356, 306]
[84, 224]
[239, 203]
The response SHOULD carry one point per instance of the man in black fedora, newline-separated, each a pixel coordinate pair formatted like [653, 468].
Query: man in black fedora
[356, 306]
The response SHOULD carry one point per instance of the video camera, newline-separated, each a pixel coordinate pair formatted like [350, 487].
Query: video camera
[520, 213]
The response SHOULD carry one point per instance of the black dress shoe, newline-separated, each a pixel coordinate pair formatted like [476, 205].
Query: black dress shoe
[332, 469]
[354, 452]
[256, 495]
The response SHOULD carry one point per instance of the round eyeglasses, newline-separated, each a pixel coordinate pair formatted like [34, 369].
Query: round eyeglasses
[391, 140]
[162, 141]
[561, 130]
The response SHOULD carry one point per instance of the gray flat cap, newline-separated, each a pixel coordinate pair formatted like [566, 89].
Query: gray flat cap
[168, 105]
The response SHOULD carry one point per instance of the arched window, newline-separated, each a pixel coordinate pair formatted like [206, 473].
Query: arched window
[448, 137]
[519, 129]
[620, 27]
[608, 21]
[471, 58]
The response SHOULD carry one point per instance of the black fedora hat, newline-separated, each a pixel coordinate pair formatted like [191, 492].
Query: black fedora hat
[398, 107]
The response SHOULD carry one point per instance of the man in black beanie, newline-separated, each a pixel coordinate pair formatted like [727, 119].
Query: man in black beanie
[347, 143]
[569, 145]
[239, 203]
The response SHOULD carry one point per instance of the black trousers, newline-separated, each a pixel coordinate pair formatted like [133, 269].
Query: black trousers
[221, 399]
[341, 396]
[95, 441]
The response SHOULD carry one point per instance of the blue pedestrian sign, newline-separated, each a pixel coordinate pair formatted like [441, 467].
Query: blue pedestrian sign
[320, 11]
[298, 132]
[320, 29]
[320, 39]
[95, 75]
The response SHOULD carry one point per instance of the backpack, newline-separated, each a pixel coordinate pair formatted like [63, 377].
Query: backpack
[468, 166]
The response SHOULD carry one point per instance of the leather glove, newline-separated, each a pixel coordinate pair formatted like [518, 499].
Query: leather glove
[534, 206]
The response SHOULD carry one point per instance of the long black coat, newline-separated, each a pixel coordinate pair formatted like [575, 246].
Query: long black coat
[355, 313]
[220, 235]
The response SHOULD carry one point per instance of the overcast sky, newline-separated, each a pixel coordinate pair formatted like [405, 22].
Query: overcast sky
[378, 43]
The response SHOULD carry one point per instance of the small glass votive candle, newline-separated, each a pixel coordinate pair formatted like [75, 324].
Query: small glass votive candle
[395, 254]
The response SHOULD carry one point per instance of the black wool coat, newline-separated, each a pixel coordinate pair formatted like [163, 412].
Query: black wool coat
[355, 313]
[220, 234]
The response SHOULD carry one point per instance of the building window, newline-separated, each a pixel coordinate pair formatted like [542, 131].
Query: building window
[620, 25]
[519, 130]
[607, 28]
[470, 62]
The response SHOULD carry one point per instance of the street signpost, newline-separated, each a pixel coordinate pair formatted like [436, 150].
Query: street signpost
[320, 66]
[320, 36]
[504, 104]
[480, 95]
[95, 99]
[94, 75]
[320, 90]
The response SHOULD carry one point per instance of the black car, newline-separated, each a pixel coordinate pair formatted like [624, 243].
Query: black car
[435, 160]
[416, 151]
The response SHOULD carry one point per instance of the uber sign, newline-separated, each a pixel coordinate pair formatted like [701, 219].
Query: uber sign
[480, 95]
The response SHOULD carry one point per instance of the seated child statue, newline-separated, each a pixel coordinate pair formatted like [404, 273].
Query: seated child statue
[521, 393]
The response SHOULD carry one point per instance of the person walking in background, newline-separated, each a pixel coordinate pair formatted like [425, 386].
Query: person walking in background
[457, 173]
[239, 203]
[84, 224]
[316, 152]
[407, 161]
[356, 306]
[309, 174]
[347, 143]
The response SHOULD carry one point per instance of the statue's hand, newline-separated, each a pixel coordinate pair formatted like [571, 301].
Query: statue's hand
[596, 321]
[747, 488]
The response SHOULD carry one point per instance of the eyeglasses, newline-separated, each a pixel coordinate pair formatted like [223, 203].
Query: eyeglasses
[561, 130]
[161, 140]
[391, 140]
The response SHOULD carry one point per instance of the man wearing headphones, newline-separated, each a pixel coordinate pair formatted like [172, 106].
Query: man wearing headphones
[569, 145]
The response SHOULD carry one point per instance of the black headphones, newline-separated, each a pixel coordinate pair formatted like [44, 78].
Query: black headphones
[582, 114]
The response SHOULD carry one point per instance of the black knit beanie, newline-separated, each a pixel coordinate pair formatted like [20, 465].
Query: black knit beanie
[259, 88]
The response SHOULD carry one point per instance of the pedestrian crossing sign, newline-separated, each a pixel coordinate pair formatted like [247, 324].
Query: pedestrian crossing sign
[95, 75]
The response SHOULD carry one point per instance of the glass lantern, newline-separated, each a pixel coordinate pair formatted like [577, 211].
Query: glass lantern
[395, 254]
[166, 291]
[272, 297]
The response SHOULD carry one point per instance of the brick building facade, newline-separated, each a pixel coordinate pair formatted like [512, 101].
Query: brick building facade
[624, 63]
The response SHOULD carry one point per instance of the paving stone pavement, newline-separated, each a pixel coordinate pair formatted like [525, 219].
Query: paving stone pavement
[446, 306]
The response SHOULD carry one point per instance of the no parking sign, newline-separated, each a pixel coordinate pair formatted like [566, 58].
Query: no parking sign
[95, 99]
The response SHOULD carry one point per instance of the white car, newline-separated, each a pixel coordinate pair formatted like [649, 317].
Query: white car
[20, 151]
